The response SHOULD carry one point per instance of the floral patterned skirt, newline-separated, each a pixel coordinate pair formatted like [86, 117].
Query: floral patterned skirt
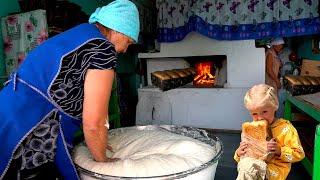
[37, 149]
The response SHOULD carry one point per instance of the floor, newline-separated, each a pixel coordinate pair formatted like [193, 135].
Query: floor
[227, 167]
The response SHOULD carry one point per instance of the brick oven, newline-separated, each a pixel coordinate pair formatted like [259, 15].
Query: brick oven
[227, 69]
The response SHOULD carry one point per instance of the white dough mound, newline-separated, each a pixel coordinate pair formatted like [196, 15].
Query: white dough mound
[146, 153]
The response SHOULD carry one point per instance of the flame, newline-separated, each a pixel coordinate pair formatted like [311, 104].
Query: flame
[204, 76]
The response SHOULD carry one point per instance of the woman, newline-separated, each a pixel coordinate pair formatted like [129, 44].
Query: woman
[273, 63]
[63, 84]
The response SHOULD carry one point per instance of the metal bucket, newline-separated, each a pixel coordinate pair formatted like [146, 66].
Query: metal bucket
[204, 172]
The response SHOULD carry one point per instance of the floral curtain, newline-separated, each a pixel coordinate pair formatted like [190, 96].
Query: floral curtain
[21, 33]
[237, 19]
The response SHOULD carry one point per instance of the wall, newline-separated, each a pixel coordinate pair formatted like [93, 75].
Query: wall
[6, 7]
[305, 48]
[89, 6]
[209, 108]
[214, 108]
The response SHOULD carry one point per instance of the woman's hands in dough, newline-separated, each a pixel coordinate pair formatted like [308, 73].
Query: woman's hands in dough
[109, 148]
[112, 159]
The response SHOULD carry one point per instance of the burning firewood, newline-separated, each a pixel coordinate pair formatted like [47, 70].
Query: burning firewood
[204, 77]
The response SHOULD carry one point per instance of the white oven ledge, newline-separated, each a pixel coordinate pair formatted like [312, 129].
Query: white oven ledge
[215, 108]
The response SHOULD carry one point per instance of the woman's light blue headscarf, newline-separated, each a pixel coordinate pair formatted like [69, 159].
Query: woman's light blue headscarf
[121, 16]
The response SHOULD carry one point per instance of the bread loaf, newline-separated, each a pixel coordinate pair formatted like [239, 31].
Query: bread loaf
[170, 79]
[316, 79]
[187, 72]
[192, 70]
[299, 85]
[304, 80]
[179, 72]
[161, 75]
[172, 74]
[313, 80]
[293, 80]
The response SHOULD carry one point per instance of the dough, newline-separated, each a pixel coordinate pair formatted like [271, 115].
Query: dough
[146, 153]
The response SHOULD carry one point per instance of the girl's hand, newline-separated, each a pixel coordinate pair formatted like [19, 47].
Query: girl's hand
[242, 149]
[273, 147]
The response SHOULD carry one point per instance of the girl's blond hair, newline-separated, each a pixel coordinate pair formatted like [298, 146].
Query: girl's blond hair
[260, 96]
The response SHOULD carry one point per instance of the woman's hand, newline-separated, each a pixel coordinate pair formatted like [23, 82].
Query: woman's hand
[109, 148]
[97, 91]
[242, 149]
[112, 159]
[273, 147]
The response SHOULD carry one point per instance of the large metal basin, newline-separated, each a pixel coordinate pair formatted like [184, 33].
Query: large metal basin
[204, 172]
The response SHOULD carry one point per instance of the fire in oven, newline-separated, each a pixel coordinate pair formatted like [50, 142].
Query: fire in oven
[204, 72]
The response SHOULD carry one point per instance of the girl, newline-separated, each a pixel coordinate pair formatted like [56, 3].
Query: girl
[262, 103]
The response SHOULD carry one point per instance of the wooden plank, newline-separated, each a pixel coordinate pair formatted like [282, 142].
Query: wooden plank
[288, 110]
[311, 167]
[306, 107]
[310, 68]
[316, 156]
[311, 99]
[308, 165]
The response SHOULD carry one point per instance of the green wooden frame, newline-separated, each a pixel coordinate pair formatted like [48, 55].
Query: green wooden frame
[314, 113]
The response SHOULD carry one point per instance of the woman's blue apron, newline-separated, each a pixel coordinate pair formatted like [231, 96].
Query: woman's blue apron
[25, 100]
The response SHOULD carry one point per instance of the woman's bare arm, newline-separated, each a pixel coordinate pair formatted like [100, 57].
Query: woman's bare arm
[97, 91]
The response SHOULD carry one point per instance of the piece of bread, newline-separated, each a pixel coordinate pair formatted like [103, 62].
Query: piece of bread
[255, 134]
[172, 74]
[180, 73]
[192, 70]
[315, 79]
[312, 80]
[257, 130]
[162, 76]
[293, 80]
[304, 80]
[187, 72]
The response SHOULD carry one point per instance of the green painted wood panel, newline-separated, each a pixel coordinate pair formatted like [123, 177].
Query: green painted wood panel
[6, 7]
